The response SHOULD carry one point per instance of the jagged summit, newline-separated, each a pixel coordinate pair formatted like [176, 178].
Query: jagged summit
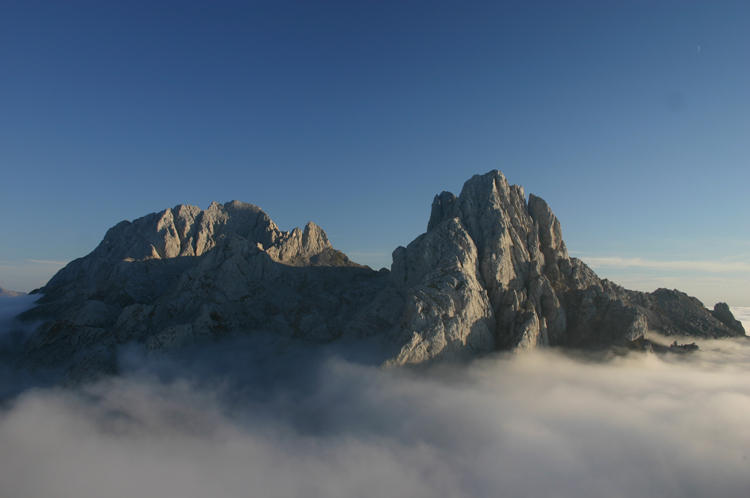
[188, 231]
[491, 272]
[511, 254]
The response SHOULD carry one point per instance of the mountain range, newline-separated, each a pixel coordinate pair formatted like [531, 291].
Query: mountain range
[490, 273]
[10, 293]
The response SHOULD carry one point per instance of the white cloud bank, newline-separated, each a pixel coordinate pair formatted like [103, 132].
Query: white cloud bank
[711, 281]
[712, 266]
[539, 425]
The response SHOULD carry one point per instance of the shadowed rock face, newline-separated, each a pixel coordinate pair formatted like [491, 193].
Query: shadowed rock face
[721, 312]
[491, 272]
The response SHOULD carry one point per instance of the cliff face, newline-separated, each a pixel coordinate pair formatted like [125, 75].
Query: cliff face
[185, 275]
[491, 272]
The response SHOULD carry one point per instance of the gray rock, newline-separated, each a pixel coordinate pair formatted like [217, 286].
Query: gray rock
[525, 287]
[722, 313]
[671, 312]
[491, 272]
[185, 275]
[446, 311]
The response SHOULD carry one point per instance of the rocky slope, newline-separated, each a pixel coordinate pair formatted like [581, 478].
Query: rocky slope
[491, 272]
[185, 275]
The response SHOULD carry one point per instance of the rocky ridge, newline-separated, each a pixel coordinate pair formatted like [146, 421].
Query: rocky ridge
[490, 273]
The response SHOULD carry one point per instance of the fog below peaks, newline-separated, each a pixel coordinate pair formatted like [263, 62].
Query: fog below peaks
[252, 419]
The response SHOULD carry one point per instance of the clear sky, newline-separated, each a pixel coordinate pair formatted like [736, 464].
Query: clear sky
[632, 119]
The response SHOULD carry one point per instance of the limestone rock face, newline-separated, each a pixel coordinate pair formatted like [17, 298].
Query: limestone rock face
[491, 272]
[184, 275]
[446, 309]
[672, 312]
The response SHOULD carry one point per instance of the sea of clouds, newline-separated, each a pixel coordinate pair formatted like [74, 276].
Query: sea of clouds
[245, 419]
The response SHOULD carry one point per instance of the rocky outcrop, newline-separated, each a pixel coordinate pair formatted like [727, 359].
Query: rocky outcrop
[490, 273]
[493, 272]
[185, 275]
[671, 312]
[446, 308]
[511, 256]
[721, 312]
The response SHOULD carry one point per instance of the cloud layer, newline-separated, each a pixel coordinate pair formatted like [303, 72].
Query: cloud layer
[243, 421]
[713, 266]
[742, 313]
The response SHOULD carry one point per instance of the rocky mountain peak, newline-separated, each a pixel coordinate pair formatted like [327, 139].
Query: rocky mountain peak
[491, 272]
[722, 313]
[517, 261]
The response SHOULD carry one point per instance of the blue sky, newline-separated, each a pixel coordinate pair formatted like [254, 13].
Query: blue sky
[355, 114]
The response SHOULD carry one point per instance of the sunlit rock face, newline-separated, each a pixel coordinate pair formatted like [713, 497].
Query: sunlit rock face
[493, 272]
[184, 275]
[490, 273]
